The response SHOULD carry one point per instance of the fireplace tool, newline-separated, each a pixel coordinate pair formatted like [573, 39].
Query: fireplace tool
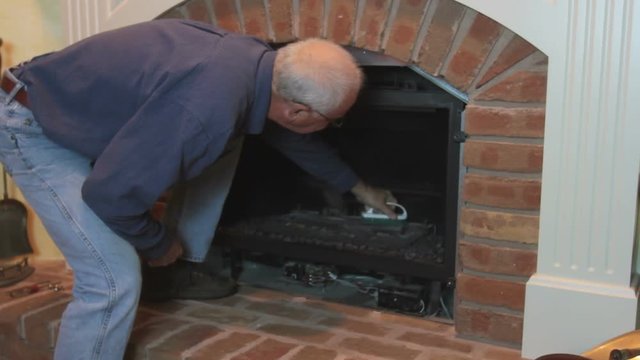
[14, 241]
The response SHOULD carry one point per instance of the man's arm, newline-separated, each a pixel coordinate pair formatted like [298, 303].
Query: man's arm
[319, 159]
[158, 146]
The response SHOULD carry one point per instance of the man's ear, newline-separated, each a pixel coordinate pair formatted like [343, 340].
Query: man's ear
[294, 110]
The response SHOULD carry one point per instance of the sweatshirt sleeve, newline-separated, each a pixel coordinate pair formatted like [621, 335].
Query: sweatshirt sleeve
[161, 144]
[313, 155]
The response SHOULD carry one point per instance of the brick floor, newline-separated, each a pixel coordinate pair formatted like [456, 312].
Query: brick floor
[255, 324]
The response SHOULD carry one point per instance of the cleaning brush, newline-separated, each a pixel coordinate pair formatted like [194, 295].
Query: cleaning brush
[375, 216]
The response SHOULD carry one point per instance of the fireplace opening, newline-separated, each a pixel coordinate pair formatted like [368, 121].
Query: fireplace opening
[403, 134]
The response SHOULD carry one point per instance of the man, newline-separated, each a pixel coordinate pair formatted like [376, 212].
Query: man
[94, 134]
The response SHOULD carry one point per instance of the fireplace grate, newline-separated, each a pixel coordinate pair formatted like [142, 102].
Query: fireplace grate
[416, 242]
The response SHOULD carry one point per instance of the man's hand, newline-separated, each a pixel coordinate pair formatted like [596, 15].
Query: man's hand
[375, 197]
[174, 252]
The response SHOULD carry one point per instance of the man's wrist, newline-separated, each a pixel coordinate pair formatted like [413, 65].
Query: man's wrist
[359, 189]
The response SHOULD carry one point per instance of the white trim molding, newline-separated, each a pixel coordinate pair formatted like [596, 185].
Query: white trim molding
[87, 17]
[583, 294]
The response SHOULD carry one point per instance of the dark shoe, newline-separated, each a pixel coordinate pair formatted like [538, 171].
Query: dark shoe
[184, 280]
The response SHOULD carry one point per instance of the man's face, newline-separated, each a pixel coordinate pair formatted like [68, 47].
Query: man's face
[307, 121]
[304, 119]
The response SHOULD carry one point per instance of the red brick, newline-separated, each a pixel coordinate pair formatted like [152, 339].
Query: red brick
[472, 52]
[447, 355]
[310, 17]
[226, 15]
[144, 316]
[436, 341]
[255, 18]
[525, 86]
[173, 13]
[342, 17]
[516, 50]
[281, 12]
[12, 346]
[501, 121]
[264, 294]
[368, 346]
[502, 354]
[315, 353]
[489, 324]
[543, 61]
[10, 312]
[499, 225]
[414, 323]
[277, 309]
[300, 333]
[267, 350]
[338, 309]
[440, 34]
[488, 291]
[40, 327]
[503, 156]
[502, 192]
[148, 333]
[404, 28]
[55, 275]
[357, 326]
[496, 259]
[222, 316]
[168, 307]
[173, 346]
[197, 10]
[374, 16]
[219, 349]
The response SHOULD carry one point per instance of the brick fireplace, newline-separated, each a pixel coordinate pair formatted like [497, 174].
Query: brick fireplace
[502, 229]
[504, 78]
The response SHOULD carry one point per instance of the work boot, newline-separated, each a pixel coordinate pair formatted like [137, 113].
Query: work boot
[184, 280]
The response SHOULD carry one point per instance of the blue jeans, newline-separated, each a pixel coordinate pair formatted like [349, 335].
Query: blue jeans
[98, 321]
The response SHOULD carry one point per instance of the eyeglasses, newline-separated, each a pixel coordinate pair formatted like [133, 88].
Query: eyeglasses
[333, 122]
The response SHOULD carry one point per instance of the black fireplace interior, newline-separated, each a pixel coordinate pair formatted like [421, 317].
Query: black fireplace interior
[402, 134]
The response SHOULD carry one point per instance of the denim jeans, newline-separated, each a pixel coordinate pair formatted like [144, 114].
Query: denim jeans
[98, 321]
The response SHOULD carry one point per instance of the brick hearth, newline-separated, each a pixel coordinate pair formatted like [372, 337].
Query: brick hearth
[255, 324]
[505, 79]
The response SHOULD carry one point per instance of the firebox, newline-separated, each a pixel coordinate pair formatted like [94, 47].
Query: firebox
[403, 134]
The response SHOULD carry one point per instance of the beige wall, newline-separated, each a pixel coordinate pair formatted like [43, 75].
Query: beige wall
[30, 28]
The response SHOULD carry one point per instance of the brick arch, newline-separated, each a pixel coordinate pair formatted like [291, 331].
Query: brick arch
[505, 79]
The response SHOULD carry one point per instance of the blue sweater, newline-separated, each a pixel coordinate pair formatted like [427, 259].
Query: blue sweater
[155, 103]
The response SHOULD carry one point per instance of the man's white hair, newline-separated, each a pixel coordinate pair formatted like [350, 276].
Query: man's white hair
[317, 73]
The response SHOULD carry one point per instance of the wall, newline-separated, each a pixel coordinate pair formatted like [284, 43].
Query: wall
[31, 27]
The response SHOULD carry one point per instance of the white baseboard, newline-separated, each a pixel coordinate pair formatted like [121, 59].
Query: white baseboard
[565, 315]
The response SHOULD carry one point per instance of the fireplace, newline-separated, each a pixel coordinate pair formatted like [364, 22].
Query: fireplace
[403, 134]
[573, 244]
[502, 77]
